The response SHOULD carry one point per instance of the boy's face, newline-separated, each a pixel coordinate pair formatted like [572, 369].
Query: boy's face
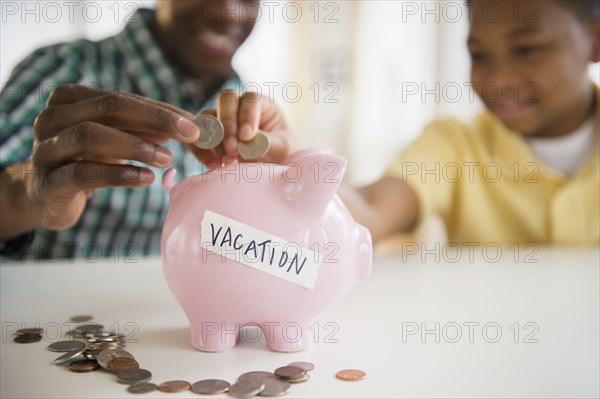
[529, 64]
[203, 35]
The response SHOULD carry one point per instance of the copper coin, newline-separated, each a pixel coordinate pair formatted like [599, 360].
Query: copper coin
[122, 363]
[174, 386]
[27, 338]
[83, 366]
[351, 375]
[306, 366]
[210, 387]
[31, 330]
[275, 387]
[105, 356]
[142, 387]
[290, 373]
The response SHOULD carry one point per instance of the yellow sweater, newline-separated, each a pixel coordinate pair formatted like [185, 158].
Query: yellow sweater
[486, 184]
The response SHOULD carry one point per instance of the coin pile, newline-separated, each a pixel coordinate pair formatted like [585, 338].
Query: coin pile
[90, 348]
[212, 133]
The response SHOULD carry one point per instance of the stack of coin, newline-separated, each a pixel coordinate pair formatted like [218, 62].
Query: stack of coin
[28, 335]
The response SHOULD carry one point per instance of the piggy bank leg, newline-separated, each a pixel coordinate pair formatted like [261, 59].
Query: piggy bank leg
[215, 337]
[290, 336]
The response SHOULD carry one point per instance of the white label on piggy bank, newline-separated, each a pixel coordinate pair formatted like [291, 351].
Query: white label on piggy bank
[259, 249]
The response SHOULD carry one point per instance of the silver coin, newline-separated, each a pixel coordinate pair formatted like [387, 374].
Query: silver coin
[274, 387]
[246, 388]
[106, 338]
[256, 374]
[90, 355]
[107, 355]
[210, 387]
[298, 380]
[66, 346]
[255, 148]
[142, 387]
[90, 328]
[211, 132]
[81, 318]
[133, 376]
[306, 366]
[67, 357]
[290, 373]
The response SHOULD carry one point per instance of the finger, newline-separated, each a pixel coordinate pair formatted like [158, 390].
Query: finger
[227, 112]
[209, 158]
[119, 112]
[73, 93]
[209, 111]
[249, 115]
[75, 177]
[89, 139]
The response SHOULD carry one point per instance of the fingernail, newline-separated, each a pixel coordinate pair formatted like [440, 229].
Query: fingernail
[146, 176]
[163, 156]
[246, 132]
[187, 128]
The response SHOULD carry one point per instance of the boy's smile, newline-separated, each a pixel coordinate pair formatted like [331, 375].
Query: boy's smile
[529, 65]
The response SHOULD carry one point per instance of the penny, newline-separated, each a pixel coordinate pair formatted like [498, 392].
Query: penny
[66, 346]
[122, 363]
[211, 132]
[174, 386]
[351, 375]
[83, 366]
[210, 387]
[67, 357]
[255, 148]
[105, 356]
[142, 387]
[82, 318]
[274, 387]
[290, 373]
[134, 376]
[306, 366]
[246, 388]
[256, 374]
[27, 338]
[30, 330]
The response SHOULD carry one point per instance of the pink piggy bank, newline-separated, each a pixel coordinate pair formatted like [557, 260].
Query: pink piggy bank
[265, 245]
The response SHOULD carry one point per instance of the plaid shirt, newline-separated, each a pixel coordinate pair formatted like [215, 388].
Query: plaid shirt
[117, 222]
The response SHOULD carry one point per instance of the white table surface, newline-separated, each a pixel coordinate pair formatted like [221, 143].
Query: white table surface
[558, 296]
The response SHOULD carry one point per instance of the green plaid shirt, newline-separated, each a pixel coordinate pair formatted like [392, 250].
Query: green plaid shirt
[117, 222]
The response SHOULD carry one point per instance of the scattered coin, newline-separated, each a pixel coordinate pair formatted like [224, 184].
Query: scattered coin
[134, 376]
[66, 346]
[246, 388]
[67, 357]
[211, 132]
[81, 318]
[174, 386]
[298, 380]
[122, 363]
[275, 387]
[210, 387]
[27, 338]
[83, 366]
[290, 373]
[142, 387]
[90, 328]
[107, 355]
[30, 330]
[351, 375]
[256, 374]
[255, 148]
[306, 366]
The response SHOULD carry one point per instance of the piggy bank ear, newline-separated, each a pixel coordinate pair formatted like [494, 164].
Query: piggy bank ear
[168, 180]
[310, 180]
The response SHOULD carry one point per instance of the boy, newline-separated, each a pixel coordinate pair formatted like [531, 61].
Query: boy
[527, 168]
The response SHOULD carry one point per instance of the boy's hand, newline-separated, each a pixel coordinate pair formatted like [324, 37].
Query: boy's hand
[242, 117]
[84, 136]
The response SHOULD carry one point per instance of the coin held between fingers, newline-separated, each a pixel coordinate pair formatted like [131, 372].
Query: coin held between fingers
[255, 148]
[211, 131]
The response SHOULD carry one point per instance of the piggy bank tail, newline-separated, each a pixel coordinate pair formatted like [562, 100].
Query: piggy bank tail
[168, 180]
